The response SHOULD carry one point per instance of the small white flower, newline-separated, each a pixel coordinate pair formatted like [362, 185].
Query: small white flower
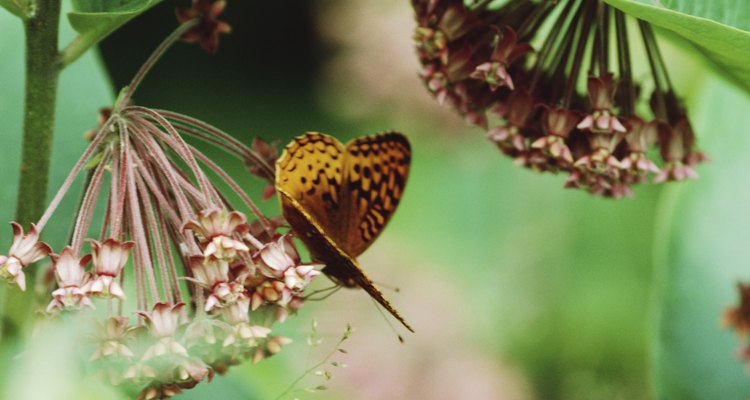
[213, 274]
[26, 249]
[108, 259]
[163, 319]
[215, 228]
[72, 280]
[277, 256]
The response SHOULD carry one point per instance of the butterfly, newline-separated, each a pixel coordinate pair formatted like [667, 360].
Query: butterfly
[338, 198]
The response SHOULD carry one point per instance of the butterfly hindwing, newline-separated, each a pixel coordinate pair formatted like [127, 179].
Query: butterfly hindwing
[375, 172]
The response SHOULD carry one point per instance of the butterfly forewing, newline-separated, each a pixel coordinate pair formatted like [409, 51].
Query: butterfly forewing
[310, 171]
[375, 172]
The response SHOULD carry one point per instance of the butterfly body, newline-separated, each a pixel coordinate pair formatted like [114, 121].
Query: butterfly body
[339, 198]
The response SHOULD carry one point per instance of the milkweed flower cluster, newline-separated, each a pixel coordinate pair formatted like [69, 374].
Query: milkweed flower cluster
[181, 282]
[515, 69]
[190, 285]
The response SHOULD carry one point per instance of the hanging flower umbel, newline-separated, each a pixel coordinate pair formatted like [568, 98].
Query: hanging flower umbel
[478, 58]
[189, 282]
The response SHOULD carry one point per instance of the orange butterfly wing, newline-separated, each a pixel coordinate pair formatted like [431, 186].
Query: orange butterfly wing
[375, 172]
[330, 213]
[310, 171]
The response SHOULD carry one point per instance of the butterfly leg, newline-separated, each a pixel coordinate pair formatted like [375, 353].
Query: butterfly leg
[327, 293]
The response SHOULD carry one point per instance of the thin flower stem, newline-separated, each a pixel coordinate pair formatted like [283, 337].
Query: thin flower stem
[171, 267]
[248, 157]
[156, 234]
[164, 165]
[648, 33]
[316, 366]
[145, 175]
[531, 20]
[661, 105]
[578, 57]
[105, 220]
[228, 179]
[202, 125]
[594, 62]
[181, 148]
[553, 38]
[602, 32]
[93, 146]
[147, 172]
[88, 204]
[138, 232]
[118, 185]
[557, 65]
[235, 146]
[114, 180]
[624, 64]
[130, 208]
[194, 291]
[195, 194]
[79, 207]
[207, 137]
[152, 59]
[182, 181]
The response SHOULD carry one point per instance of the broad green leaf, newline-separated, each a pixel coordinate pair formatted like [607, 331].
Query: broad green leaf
[99, 18]
[17, 7]
[703, 250]
[717, 29]
[735, 13]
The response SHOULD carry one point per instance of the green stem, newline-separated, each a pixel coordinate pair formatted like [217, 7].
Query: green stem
[318, 365]
[125, 94]
[76, 48]
[42, 73]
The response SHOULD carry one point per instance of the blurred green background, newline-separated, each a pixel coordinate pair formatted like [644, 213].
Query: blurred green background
[517, 288]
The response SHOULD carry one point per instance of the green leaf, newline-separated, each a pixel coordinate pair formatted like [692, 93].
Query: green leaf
[99, 18]
[735, 13]
[704, 240]
[717, 29]
[17, 7]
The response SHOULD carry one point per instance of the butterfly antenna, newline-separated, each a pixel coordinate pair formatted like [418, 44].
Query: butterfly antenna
[387, 321]
[328, 292]
[395, 289]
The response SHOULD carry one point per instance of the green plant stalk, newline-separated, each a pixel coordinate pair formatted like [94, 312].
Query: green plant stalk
[42, 74]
